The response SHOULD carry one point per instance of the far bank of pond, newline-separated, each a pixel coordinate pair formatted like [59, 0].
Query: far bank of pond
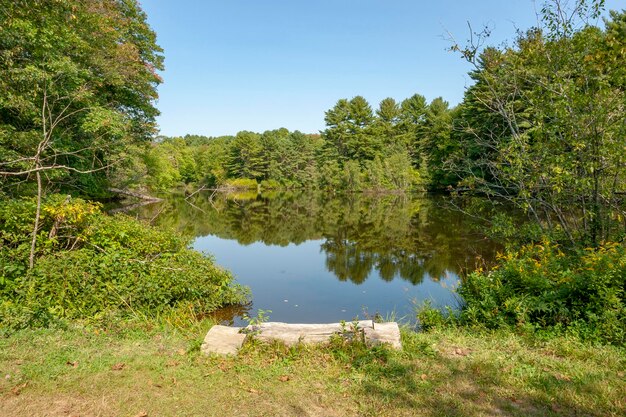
[312, 257]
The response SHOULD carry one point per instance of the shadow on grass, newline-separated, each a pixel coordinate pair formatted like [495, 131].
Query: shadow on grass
[424, 382]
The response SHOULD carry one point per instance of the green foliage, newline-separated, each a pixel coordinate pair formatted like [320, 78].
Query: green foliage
[359, 151]
[543, 288]
[261, 317]
[542, 125]
[93, 266]
[437, 144]
[241, 184]
[77, 85]
[351, 177]
[245, 158]
[270, 185]
[430, 318]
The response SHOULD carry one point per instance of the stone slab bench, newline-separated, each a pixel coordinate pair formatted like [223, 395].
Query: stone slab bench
[225, 340]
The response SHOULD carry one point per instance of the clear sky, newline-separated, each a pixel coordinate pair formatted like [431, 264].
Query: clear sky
[255, 65]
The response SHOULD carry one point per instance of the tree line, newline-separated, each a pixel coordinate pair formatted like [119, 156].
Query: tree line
[361, 149]
[542, 125]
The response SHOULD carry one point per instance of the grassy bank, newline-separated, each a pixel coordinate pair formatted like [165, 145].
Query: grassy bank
[147, 370]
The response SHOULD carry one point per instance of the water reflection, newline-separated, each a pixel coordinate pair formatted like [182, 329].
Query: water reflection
[361, 238]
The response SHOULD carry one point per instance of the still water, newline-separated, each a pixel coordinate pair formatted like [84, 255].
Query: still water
[309, 257]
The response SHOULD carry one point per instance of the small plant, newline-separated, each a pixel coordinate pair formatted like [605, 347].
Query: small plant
[349, 346]
[352, 334]
[430, 317]
[254, 323]
[357, 331]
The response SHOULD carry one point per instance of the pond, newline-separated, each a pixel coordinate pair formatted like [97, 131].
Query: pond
[313, 257]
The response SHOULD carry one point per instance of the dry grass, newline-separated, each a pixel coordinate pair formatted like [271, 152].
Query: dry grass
[159, 372]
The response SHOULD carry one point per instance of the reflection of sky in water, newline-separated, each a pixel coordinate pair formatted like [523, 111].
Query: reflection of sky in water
[294, 282]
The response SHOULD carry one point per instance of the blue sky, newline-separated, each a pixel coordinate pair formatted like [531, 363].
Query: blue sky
[255, 65]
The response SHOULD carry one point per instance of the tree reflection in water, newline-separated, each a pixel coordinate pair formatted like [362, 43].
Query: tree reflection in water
[399, 236]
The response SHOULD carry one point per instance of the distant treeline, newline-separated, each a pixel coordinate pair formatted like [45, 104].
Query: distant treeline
[395, 147]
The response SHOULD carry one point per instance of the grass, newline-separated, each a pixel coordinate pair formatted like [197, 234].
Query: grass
[142, 370]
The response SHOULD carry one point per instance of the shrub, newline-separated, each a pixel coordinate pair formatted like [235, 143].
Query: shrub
[241, 184]
[429, 317]
[90, 266]
[542, 287]
[271, 185]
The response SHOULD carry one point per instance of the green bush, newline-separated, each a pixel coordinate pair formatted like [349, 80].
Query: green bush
[543, 288]
[429, 317]
[242, 184]
[271, 185]
[93, 266]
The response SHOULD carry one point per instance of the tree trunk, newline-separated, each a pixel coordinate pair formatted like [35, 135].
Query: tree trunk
[33, 243]
[134, 194]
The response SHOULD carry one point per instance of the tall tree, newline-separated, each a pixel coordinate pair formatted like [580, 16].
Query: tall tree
[348, 122]
[412, 116]
[436, 144]
[77, 82]
[543, 126]
[246, 159]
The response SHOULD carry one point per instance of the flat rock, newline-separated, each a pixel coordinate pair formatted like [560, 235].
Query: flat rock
[223, 340]
[291, 334]
[384, 333]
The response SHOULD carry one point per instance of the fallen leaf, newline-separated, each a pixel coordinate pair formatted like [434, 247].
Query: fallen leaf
[253, 391]
[141, 414]
[118, 366]
[154, 384]
[182, 352]
[72, 364]
[461, 352]
[284, 378]
[424, 377]
[17, 390]
[562, 377]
